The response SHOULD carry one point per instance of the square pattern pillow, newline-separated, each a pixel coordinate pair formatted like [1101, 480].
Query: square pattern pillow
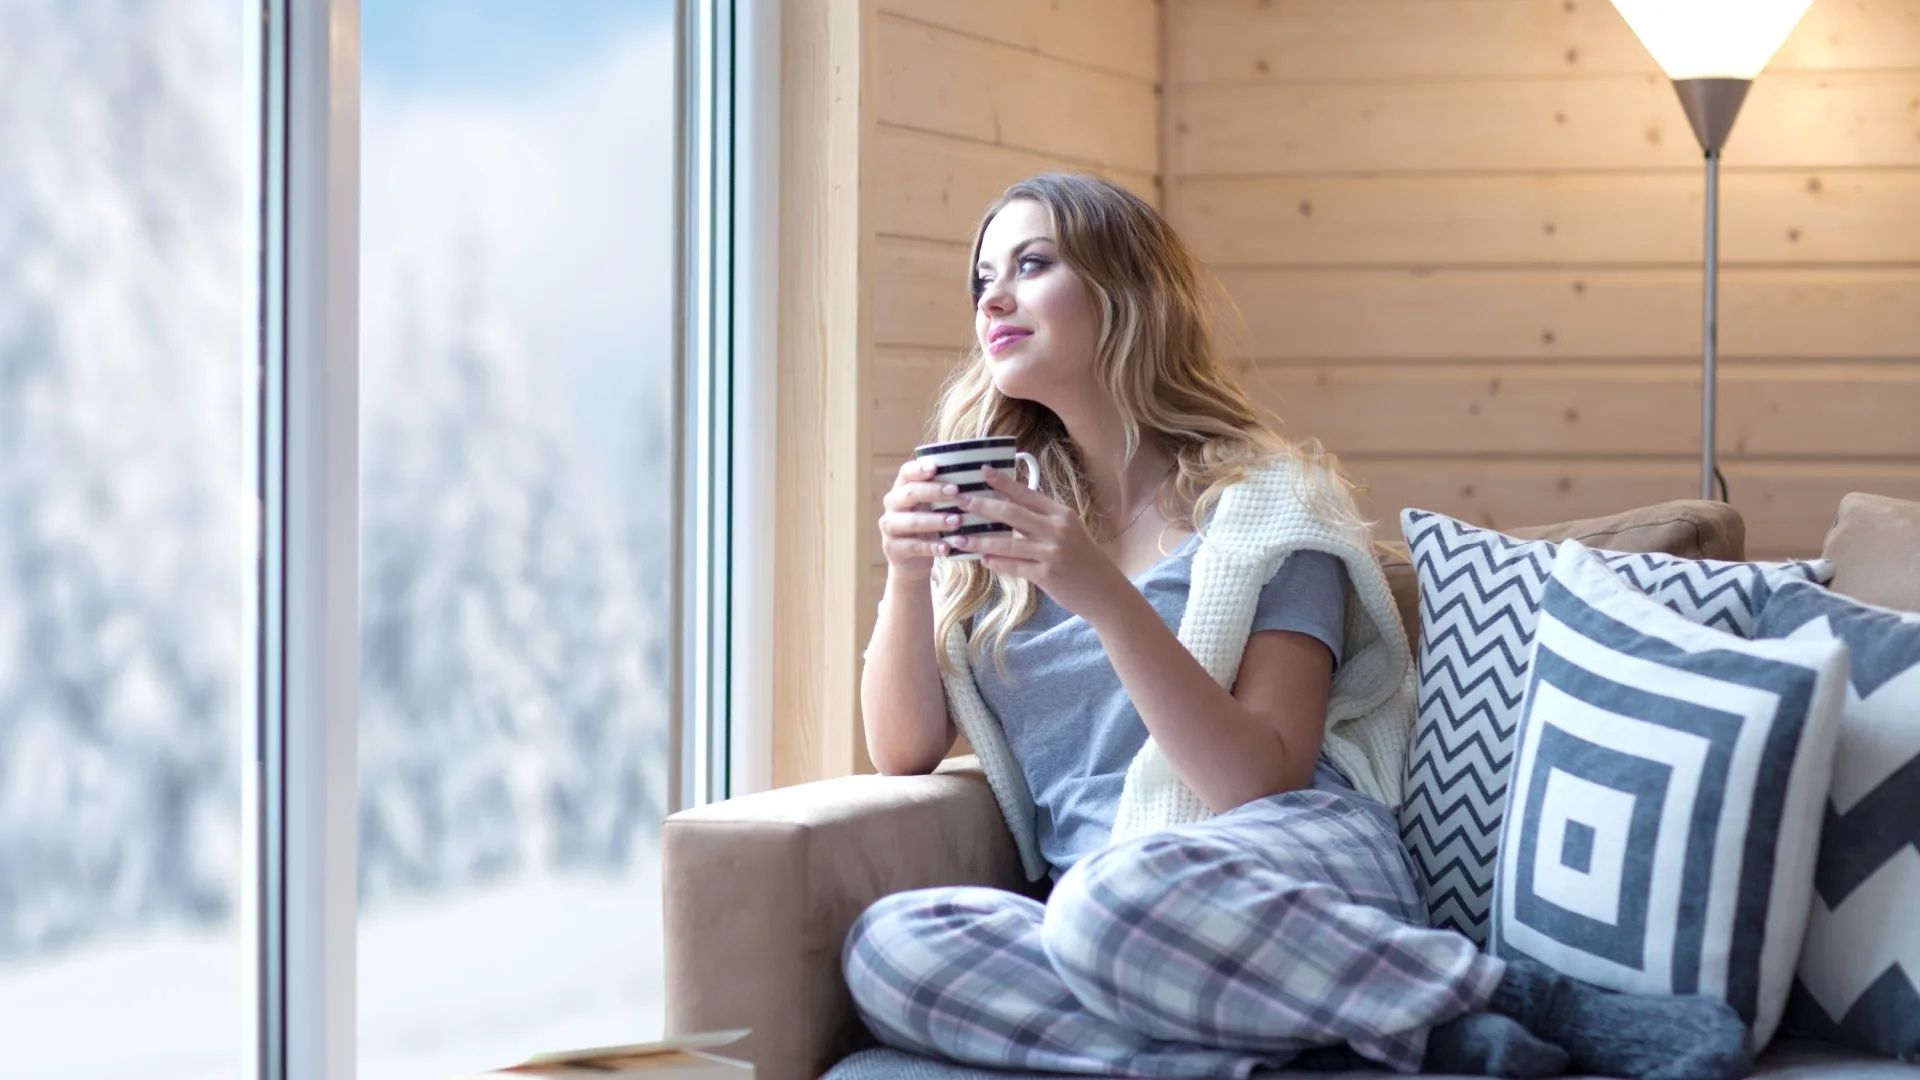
[1859, 979]
[1667, 788]
[1480, 596]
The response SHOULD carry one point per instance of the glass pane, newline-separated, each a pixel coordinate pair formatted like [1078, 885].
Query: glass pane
[127, 261]
[517, 247]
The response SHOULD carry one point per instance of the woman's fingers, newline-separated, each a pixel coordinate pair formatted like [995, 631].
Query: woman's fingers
[1005, 512]
[905, 524]
[902, 548]
[1018, 547]
[908, 496]
[1011, 489]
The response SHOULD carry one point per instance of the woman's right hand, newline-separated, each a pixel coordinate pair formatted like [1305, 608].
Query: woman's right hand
[909, 531]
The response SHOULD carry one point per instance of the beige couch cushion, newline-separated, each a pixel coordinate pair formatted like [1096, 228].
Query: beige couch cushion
[1875, 548]
[1690, 528]
[759, 892]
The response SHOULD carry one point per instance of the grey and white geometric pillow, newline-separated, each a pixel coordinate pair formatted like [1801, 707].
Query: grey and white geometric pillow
[1668, 786]
[1859, 979]
[1480, 596]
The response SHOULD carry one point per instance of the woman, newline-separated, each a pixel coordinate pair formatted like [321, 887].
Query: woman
[1230, 887]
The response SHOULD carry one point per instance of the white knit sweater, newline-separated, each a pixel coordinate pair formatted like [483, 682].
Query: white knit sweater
[1256, 524]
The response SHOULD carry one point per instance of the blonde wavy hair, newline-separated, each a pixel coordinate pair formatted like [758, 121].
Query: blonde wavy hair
[1157, 356]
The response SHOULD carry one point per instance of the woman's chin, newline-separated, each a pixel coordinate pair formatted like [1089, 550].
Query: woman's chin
[1012, 382]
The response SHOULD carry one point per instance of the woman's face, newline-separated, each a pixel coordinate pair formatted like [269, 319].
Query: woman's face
[1035, 319]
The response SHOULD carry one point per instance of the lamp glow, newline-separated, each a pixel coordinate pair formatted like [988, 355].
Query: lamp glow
[1709, 39]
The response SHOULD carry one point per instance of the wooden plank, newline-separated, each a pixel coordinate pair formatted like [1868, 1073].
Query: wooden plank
[1488, 314]
[1798, 216]
[940, 81]
[821, 429]
[905, 390]
[1788, 507]
[1790, 119]
[1118, 36]
[920, 294]
[1808, 410]
[937, 188]
[1239, 40]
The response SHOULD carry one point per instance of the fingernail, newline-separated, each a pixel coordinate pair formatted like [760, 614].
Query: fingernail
[964, 500]
[951, 488]
[953, 519]
[960, 541]
[988, 470]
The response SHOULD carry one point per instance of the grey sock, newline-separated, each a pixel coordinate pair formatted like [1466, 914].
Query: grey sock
[1650, 1037]
[1488, 1044]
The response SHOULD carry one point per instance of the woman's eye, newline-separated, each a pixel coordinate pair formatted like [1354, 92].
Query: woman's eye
[1036, 260]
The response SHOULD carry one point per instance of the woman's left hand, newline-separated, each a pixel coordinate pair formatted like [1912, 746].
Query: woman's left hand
[1053, 549]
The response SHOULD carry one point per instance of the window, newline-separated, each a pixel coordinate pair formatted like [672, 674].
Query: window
[517, 253]
[386, 629]
[127, 276]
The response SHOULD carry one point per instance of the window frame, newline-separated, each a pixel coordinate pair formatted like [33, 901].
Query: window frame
[300, 823]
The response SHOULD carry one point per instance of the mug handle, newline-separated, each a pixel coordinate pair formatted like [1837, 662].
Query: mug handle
[1033, 468]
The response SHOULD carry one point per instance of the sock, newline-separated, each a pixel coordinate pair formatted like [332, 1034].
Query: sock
[1328, 1059]
[1646, 1036]
[1488, 1044]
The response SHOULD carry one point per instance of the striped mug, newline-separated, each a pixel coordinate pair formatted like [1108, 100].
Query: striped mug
[959, 463]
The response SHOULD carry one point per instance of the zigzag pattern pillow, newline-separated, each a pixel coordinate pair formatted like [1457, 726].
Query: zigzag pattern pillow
[1668, 780]
[1480, 596]
[1859, 977]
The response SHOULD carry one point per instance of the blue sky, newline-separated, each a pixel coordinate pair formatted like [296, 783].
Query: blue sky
[475, 45]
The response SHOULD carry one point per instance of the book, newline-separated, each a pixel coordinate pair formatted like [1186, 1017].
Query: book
[681, 1058]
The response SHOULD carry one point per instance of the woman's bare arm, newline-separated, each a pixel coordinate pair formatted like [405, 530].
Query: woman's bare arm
[1229, 748]
[902, 703]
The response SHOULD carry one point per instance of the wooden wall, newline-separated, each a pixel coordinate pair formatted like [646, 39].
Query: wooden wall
[1465, 236]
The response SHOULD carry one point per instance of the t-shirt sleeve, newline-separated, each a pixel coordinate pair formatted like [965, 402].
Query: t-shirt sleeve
[1308, 594]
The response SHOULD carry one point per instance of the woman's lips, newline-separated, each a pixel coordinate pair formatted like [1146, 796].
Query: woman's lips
[1007, 340]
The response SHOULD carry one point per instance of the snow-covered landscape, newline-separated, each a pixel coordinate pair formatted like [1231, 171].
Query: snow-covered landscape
[517, 644]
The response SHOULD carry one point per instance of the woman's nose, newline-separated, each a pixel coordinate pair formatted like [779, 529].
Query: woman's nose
[995, 298]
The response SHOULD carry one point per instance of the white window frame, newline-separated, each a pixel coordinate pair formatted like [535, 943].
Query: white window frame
[730, 244]
[756, 386]
[309, 473]
[301, 797]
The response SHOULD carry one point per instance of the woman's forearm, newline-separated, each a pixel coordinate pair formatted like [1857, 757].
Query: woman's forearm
[1227, 755]
[902, 704]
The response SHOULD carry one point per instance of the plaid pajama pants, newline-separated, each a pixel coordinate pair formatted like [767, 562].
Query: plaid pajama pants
[1204, 950]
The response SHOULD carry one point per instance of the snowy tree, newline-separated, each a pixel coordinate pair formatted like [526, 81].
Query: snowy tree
[122, 334]
[515, 641]
[507, 718]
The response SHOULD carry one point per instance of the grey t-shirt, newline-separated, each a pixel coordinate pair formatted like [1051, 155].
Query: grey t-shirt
[1068, 719]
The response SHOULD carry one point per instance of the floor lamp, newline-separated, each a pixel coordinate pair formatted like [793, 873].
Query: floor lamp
[1712, 50]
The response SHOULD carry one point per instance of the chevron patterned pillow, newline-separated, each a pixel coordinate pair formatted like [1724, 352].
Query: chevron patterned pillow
[1479, 601]
[1668, 780]
[1859, 978]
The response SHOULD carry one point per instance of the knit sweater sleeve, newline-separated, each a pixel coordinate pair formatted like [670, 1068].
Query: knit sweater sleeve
[1260, 521]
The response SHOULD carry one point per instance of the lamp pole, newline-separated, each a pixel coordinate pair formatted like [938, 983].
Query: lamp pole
[1711, 105]
[1710, 328]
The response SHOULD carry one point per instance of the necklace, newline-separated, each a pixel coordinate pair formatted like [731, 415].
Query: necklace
[1138, 514]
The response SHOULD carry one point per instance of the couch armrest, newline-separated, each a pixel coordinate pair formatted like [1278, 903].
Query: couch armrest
[759, 893]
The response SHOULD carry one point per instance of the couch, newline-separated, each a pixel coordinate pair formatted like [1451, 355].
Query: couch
[760, 890]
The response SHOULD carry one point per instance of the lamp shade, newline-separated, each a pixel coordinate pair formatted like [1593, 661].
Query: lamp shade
[1712, 39]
